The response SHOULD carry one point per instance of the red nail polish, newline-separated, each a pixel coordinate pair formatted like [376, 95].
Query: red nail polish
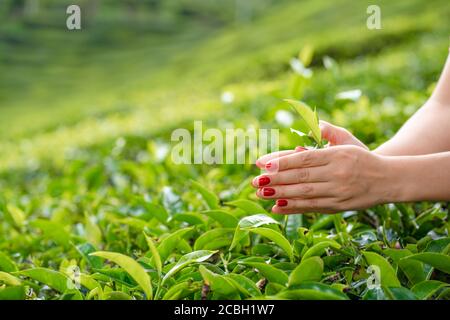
[267, 192]
[282, 203]
[272, 166]
[300, 148]
[263, 181]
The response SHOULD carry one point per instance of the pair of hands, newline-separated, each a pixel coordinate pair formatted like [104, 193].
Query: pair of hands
[342, 177]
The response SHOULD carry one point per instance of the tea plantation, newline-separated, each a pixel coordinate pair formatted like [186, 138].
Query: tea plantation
[93, 207]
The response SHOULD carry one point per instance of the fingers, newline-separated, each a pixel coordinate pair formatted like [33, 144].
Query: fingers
[319, 205]
[261, 162]
[292, 176]
[335, 135]
[303, 190]
[338, 135]
[308, 158]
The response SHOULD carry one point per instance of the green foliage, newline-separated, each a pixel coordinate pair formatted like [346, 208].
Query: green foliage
[86, 183]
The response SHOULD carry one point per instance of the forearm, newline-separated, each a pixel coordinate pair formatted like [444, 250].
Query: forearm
[417, 178]
[426, 131]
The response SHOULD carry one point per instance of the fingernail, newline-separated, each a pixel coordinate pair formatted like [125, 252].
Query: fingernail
[267, 192]
[300, 148]
[271, 166]
[263, 181]
[282, 203]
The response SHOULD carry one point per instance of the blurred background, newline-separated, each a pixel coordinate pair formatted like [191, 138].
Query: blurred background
[140, 68]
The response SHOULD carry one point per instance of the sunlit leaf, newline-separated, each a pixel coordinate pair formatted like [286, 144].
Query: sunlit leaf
[388, 276]
[310, 269]
[192, 257]
[133, 268]
[310, 118]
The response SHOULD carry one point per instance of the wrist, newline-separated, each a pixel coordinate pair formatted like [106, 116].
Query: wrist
[395, 184]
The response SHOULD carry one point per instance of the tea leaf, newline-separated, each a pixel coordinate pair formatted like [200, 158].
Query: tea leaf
[270, 272]
[310, 118]
[319, 248]
[54, 279]
[133, 268]
[436, 260]
[250, 207]
[210, 198]
[312, 291]
[425, 289]
[276, 237]
[155, 254]
[309, 269]
[192, 257]
[224, 218]
[388, 276]
[9, 279]
[256, 221]
[6, 264]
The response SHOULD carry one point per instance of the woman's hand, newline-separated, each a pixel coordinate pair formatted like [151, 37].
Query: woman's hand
[324, 180]
[338, 135]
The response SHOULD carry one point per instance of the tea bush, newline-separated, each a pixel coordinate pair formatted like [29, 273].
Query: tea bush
[94, 208]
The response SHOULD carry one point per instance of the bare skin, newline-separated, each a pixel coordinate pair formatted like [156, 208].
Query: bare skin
[412, 166]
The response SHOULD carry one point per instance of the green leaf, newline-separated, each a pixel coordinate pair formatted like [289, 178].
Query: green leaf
[294, 221]
[12, 293]
[239, 236]
[224, 218]
[54, 279]
[414, 270]
[306, 55]
[89, 282]
[180, 290]
[85, 249]
[191, 218]
[399, 293]
[438, 245]
[169, 243]
[157, 211]
[312, 291]
[6, 264]
[192, 257]
[256, 221]
[9, 279]
[210, 198]
[244, 284]
[319, 248]
[309, 269]
[117, 295]
[323, 222]
[436, 260]
[269, 272]
[276, 237]
[218, 283]
[211, 235]
[388, 276]
[134, 269]
[249, 222]
[93, 232]
[115, 274]
[52, 231]
[425, 289]
[155, 254]
[310, 118]
[15, 215]
[250, 207]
